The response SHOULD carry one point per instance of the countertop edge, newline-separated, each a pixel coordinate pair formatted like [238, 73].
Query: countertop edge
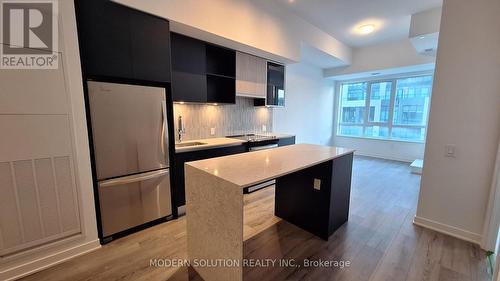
[210, 146]
[292, 171]
[206, 146]
[277, 175]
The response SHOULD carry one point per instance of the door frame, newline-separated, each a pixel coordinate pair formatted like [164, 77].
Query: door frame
[492, 219]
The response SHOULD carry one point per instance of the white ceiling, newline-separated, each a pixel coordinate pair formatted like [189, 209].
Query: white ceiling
[318, 58]
[340, 18]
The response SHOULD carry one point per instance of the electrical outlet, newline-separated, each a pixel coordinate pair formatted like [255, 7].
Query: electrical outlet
[264, 128]
[212, 131]
[449, 150]
[317, 184]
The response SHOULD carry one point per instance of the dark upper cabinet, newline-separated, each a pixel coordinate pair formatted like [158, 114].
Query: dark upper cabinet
[104, 37]
[188, 54]
[221, 74]
[189, 87]
[220, 61]
[221, 89]
[275, 84]
[189, 82]
[202, 72]
[120, 42]
[276, 74]
[150, 44]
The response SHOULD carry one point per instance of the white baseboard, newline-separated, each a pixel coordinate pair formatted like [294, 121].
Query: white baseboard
[383, 156]
[39, 264]
[181, 210]
[448, 230]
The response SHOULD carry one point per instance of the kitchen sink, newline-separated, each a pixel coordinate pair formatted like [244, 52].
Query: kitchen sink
[187, 144]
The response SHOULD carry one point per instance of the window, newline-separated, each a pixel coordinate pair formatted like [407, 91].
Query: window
[352, 109]
[353, 114]
[388, 109]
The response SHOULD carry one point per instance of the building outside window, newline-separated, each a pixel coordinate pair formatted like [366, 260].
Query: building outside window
[394, 109]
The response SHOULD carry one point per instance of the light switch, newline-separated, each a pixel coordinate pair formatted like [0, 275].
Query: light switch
[212, 131]
[450, 150]
[264, 128]
[317, 184]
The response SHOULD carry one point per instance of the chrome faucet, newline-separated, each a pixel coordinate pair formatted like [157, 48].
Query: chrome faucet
[181, 130]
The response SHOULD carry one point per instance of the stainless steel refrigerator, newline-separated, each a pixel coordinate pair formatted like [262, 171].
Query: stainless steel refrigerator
[130, 140]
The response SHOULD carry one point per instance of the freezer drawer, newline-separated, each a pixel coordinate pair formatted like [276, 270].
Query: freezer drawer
[134, 200]
[129, 128]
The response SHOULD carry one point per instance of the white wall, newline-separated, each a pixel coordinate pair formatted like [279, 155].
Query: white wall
[74, 87]
[259, 27]
[425, 22]
[393, 150]
[465, 111]
[377, 58]
[308, 111]
[50, 254]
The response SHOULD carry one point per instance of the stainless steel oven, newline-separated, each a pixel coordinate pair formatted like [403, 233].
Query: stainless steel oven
[255, 143]
[262, 147]
[267, 183]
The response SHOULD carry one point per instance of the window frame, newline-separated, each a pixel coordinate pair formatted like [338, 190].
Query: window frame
[390, 122]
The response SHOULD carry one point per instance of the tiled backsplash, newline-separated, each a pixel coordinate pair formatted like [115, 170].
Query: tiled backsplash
[227, 119]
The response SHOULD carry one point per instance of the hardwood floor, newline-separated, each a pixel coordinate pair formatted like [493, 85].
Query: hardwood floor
[379, 241]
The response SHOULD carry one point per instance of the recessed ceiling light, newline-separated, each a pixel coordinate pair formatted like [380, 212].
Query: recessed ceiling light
[291, 1]
[367, 28]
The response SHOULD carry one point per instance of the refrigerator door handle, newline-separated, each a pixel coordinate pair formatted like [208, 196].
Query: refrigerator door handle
[164, 136]
[133, 178]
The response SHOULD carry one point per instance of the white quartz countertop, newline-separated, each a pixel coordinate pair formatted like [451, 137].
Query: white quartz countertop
[247, 169]
[219, 142]
[209, 143]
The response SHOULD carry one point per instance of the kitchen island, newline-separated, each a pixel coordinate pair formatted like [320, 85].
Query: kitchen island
[312, 191]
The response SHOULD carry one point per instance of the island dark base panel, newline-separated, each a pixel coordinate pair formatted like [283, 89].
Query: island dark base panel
[322, 211]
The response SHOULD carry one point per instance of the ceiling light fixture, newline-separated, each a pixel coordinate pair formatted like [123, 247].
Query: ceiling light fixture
[366, 29]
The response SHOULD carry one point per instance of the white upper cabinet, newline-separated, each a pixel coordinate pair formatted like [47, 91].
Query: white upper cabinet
[251, 76]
